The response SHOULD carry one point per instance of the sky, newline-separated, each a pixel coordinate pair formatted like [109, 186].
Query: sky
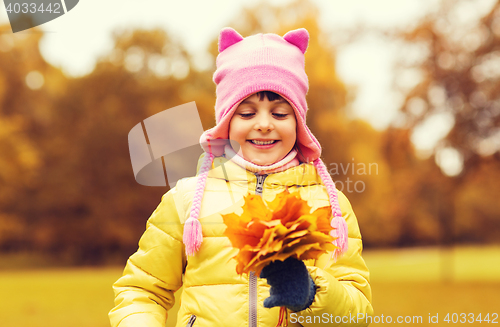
[75, 40]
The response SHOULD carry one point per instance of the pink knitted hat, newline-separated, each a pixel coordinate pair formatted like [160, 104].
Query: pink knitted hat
[261, 62]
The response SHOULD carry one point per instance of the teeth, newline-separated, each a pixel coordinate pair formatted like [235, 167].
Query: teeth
[262, 142]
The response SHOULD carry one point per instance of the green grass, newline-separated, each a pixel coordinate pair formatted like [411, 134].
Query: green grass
[423, 298]
[404, 283]
[461, 264]
[56, 297]
[423, 281]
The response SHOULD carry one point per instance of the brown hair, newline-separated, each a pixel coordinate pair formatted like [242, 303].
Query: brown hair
[271, 96]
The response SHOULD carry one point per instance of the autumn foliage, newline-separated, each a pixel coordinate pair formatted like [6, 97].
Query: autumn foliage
[283, 228]
[67, 188]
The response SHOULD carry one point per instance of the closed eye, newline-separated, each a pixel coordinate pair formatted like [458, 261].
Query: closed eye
[248, 115]
[280, 115]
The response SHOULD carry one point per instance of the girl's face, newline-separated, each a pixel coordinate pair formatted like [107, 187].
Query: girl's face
[265, 130]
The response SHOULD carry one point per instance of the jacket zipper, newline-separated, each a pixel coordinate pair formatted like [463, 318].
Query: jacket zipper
[191, 321]
[252, 279]
[260, 184]
[252, 284]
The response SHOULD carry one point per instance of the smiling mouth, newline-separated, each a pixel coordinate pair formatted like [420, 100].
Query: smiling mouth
[263, 142]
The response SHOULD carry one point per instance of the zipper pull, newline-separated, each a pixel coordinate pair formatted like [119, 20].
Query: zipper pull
[191, 321]
[260, 184]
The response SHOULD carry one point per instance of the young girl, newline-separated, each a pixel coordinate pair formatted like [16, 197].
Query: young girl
[261, 105]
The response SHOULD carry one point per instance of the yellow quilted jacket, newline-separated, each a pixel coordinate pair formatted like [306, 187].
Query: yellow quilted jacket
[214, 294]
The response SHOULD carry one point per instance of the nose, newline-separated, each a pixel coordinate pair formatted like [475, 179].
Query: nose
[264, 124]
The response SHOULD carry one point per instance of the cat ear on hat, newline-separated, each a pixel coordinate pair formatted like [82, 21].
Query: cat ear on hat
[228, 37]
[299, 38]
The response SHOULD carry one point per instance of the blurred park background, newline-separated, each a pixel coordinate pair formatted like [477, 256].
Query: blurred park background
[71, 212]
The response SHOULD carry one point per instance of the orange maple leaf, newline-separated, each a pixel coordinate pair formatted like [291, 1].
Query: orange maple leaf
[283, 228]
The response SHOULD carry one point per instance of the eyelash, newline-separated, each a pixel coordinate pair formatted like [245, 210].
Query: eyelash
[274, 114]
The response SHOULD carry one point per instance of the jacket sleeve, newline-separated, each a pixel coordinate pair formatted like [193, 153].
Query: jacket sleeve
[343, 292]
[145, 292]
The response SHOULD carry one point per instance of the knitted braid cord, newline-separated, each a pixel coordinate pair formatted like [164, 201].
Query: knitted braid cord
[193, 236]
[338, 222]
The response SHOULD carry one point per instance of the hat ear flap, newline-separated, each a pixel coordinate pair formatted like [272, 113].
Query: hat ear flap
[299, 38]
[228, 37]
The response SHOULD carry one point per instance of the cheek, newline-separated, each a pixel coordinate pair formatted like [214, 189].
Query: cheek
[293, 137]
[292, 133]
[235, 130]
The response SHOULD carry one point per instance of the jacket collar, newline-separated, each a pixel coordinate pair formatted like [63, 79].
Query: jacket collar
[302, 175]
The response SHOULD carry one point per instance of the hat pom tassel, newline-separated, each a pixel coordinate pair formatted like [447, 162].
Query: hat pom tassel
[341, 237]
[193, 236]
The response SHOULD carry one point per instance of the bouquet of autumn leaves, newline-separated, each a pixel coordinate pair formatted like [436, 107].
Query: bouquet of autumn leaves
[283, 228]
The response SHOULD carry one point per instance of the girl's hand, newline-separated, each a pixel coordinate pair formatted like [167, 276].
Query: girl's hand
[291, 285]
